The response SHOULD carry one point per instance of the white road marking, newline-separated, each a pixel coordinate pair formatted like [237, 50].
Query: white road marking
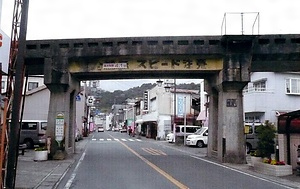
[241, 172]
[70, 181]
[116, 139]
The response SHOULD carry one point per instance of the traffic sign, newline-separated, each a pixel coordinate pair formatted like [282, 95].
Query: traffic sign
[90, 101]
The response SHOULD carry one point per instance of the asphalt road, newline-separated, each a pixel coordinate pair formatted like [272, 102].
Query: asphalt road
[113, 160]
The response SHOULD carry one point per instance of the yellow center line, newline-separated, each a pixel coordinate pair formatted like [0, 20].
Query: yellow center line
[151, 151]
[154, 151]
[156, 168]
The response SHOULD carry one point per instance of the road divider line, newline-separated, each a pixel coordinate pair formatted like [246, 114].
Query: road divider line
[156, 168]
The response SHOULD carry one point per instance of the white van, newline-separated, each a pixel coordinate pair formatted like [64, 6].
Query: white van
[199, 138]
[179, 129]
[33, 132]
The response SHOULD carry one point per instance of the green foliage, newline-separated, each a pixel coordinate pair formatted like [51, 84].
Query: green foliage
[266, 135]
[42, 148]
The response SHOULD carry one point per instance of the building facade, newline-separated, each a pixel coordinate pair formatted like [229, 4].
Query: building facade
[269, 95]
[163, 109]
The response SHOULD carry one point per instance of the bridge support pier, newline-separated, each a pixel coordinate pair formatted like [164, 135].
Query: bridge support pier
[62, 111]
[227, 143]
[226, 139]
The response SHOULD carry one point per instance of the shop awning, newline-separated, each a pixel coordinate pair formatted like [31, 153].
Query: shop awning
[289, 122]
[139, 121]
[202, 116]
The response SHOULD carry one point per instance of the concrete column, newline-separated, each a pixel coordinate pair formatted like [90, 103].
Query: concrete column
[59, 104]
[230, 83]
[63, 90]
[230, 127]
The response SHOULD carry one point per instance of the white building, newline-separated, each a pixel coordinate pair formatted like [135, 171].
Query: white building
[266, 97]
[156, 121]
[269, 94]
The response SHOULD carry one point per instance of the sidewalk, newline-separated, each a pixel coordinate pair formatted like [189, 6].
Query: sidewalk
[43, 174]
[292, 181]
[47, 174]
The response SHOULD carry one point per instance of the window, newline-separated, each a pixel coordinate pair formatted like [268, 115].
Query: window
[260, 85]
[32, 85]
[292, 85]
[2, 85]
[252, 119]
[44, 125]
[29, 126]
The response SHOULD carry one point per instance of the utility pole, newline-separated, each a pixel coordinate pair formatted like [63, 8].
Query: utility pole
[13, 145]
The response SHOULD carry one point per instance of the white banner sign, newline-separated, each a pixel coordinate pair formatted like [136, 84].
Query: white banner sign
[110, 66]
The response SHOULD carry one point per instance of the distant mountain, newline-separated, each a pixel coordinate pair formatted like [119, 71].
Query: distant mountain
[106, 99]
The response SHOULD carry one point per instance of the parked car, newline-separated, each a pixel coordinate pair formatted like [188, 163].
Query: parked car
[33, 132]
[199, 138]
[179, 130]
[251, 136]
[123, 130]
[100, 129]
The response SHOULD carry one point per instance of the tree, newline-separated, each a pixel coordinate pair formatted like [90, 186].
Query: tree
[266, 135]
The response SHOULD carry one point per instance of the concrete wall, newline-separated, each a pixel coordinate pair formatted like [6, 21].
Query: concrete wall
[37, 104]
[295, 141]
[81, 109]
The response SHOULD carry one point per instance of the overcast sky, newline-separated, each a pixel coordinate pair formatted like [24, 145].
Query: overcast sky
[57, 19]
[52, 19]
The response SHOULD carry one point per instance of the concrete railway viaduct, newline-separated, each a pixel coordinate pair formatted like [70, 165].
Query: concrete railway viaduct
[225, 62]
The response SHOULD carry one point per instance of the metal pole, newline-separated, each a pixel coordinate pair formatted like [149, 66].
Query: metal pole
[134, 120]
[13, 148]
[184, 139]
[174, 118]
[242, 20]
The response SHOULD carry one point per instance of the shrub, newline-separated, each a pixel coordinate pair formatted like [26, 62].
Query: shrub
[266, 135]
